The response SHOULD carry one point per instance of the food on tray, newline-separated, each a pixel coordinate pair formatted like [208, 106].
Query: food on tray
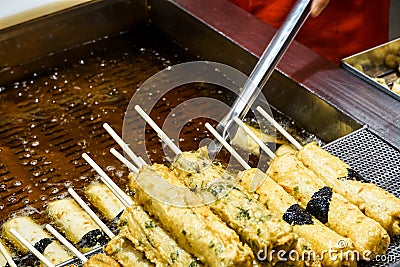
[77, 225]
[119, 247]
[396, 86]
[36, 236]
[255, 224]
[392, 60]
[285, 213]
[332, 209]
[149, 237]
[197, 230]
[283, 205]
[375, 202]
[104, 200]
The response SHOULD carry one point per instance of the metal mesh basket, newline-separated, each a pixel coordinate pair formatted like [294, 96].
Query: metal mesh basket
[378, 162]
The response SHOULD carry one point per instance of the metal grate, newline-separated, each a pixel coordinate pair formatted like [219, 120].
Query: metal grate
[378, 162]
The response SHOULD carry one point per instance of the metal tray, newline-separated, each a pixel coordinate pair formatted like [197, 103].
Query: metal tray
[370, 64]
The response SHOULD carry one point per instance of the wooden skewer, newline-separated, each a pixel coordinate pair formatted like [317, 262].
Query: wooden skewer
[158, 130]
[124, 160]
[7, 256]
[110, 183]
[31, 248]
[228, 147]
[279, 128]
[91, 213]
[137, 160]
[66, 243]
[255, 138]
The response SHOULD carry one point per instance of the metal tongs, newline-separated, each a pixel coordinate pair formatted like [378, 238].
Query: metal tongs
[261, 72]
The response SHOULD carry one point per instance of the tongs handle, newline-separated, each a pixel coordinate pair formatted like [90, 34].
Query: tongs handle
[266, 64]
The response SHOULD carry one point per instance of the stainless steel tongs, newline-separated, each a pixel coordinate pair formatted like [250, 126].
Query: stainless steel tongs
[261, 72]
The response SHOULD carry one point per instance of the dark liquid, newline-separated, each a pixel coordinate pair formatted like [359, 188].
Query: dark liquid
[49, 120]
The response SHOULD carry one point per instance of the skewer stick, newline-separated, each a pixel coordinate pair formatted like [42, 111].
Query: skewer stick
[126, 162]
[228, 147]
[90, 212]
[279, 128]
[142, 160]
[110, 183]
[7, 256]
[158, 130]
[31, 248]
[255, 138]
[137, 160]
[66, 243]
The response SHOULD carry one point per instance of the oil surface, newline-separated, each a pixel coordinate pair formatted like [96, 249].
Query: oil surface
[49, 120]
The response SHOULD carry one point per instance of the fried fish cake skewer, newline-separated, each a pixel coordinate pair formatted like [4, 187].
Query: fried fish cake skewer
[198, 230]
[77, 225]
[45, 261]
[255, 225]
[329, 207]
[119, 247]
[372, 200]
[321, 238]
[139, 219]
[273, 231]
[35, 235]
[104, 200]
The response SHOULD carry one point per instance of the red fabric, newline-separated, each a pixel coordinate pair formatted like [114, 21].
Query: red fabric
[344, 27]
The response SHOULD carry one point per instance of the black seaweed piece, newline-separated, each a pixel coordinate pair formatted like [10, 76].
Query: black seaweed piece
[93, 238]
[30, 259]
[42, 244]
[353, 175]
[295, 215]
[318, 206]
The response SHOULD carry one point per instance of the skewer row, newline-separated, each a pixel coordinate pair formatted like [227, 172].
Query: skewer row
[124, 199]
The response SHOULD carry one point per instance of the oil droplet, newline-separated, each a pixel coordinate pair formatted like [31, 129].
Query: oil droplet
[37, 173]
[34, 162]
[54, 191]
[110, 168]
[35, 143]
[17, 183]
[27, 155]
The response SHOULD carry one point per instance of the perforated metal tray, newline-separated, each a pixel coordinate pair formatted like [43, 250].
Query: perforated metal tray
[370, 64]
[378, 162]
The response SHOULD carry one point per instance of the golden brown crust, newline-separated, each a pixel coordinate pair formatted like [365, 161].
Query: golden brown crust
[342, 216]
[372, 200]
